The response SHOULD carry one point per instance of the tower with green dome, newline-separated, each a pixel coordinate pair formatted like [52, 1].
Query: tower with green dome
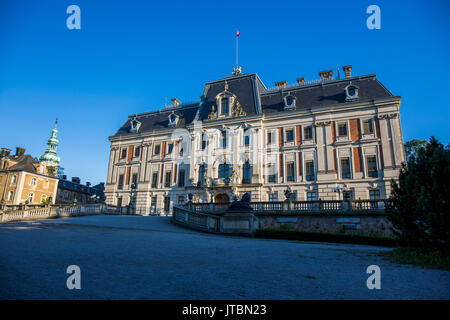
[50, 158]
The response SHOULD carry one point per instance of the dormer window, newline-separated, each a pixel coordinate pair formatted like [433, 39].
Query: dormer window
[289, 102]
[351, 92]
[173, 119]
[134, 125]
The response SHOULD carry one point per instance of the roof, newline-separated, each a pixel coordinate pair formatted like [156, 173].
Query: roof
[324, 94]
[256, 99]
[24, 163]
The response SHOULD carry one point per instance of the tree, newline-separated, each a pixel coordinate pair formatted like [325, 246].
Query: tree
[413, 146]
[419, 207]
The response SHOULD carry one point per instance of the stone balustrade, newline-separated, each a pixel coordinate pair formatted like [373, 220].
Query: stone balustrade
[60, 211]
[358, 216]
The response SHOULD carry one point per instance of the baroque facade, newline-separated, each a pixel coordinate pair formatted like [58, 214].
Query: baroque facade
[327, 139]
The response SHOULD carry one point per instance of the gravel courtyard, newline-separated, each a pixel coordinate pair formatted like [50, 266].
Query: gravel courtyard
[129, 257]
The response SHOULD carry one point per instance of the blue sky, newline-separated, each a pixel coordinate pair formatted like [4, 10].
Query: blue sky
[130, 55]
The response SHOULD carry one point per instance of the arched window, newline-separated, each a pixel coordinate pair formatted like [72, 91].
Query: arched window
[225, 106]
[224, 170]
[247, 173]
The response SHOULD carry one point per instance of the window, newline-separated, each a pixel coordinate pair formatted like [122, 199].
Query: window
[123, 154]
[345, 168]
[247, 173]
[368, 126]
[153, 204]
[170, 149]
[290, 171]
[225, 106]
[181, 174]
[180, 199]
[204, 142]
[289, 135]
[10, 195]
[273, 197]
[372, 167]
[311, 196]
[246, 137]
[166, 204]
[157, 149]
[342, 129]
[167, 180]
[30, 197]
[269, 137]
[374, 194]
[14, 179]
[272, 178]
[224, 170]
[308, 133]
[154, 179]
[120, 184]
[137, 152]
[134, 179]
[224, 139]
[33, 182]
[310, 170]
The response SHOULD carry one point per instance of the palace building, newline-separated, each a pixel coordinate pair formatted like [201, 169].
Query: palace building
[326, 139]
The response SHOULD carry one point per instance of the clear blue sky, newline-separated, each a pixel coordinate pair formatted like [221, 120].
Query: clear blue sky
[131, 54]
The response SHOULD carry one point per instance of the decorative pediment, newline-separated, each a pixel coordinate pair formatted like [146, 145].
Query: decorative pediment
[237, 110]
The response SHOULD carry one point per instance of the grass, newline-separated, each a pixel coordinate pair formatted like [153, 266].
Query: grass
[293, 234]
[426, 258]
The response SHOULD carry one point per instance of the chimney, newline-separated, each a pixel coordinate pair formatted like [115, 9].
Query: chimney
[301, 80]
[175, 102]
[5, 152]
[348, 71]
[20, 151]
[64, 177]
[281, 84]
[88, 184]
[76, 180]
[326, 75]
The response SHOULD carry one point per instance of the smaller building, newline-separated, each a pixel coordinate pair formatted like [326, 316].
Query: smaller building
[24, 180]
[70, 192]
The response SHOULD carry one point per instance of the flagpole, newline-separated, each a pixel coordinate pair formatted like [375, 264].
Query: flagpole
[237, 44]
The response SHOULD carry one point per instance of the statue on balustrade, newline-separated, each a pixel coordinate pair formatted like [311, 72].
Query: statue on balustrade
[242, 205]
